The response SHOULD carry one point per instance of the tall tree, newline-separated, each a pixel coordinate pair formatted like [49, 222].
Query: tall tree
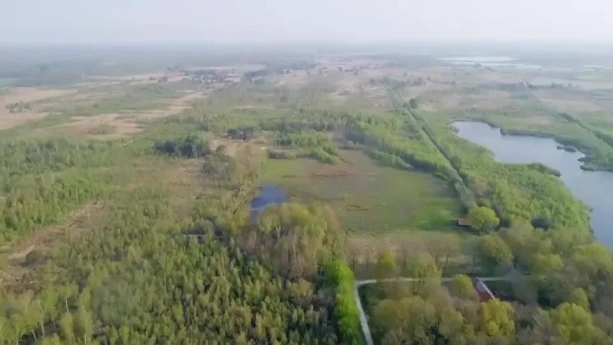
[424, 270]
[462, 287]
[494, 253]
[483, 219]
[386, 266]
[496, 319]
[405, 321]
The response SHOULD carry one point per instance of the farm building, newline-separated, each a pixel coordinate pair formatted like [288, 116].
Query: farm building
[482, 290]
[463, 222]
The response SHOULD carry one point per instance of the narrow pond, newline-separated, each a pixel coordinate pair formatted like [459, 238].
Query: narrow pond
[594, 188]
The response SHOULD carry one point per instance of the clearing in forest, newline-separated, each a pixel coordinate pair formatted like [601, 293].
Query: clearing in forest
[366, 196]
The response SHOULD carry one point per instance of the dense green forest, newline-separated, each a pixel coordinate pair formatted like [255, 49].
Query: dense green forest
[147, 272]
[41, 180]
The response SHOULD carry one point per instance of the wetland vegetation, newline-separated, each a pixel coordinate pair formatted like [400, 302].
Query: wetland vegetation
[126, 199]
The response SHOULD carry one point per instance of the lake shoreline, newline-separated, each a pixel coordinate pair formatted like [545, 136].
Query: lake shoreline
[562, 143]
[589, 186]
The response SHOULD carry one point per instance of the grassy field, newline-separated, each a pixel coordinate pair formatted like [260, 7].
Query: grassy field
[366, 196]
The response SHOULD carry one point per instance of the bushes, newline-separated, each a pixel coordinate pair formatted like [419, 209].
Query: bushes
[277, 154]
[386, 158]
[316, 145]
[42, 180]
[190, 146]
[325, 154]
[347, 315]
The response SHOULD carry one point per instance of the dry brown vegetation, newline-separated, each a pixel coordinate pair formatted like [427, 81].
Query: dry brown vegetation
[26, 95]
[566, 102]
[233, 147]
[124, 125]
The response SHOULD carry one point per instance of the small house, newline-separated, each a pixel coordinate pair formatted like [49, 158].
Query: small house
[485, 294]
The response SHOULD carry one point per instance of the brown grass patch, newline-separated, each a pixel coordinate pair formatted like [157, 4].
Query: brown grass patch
[175, 108]
[25, 95]
[294, 80]
[117, 126]
[31, 94]
[87, 126]
[569, 104]
[537, 121]
[143, 78]
[330, 172]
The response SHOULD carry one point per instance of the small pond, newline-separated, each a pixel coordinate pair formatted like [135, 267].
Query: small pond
[594, 188]
[269, 194]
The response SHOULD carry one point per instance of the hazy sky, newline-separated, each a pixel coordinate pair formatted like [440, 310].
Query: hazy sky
[305, 20]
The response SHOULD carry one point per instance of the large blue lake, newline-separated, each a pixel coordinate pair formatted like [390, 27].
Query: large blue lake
[594, 188]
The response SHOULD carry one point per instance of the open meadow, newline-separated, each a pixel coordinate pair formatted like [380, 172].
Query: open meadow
[369, 197]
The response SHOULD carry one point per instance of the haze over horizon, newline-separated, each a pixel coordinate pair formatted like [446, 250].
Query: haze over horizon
[243, 21]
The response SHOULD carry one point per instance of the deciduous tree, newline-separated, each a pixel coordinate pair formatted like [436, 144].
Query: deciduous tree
[483, 219]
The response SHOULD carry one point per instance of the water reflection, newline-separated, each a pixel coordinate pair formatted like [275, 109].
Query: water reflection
[594, 188]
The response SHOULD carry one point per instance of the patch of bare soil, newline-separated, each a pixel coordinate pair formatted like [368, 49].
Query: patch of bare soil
[25, 95]
[141, 78]
[254, 148]
[330, 172]
[568, 103]
[233, 69]
[176, 107]
[31, 94]
[230, 146]
[450, 101]
[354, 207]
[87, 126]
[123, 125]
[294, 80]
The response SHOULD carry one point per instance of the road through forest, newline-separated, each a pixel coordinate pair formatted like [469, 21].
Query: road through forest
[358, 302]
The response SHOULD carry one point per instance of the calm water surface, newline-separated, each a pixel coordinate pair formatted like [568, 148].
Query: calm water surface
[594, 188]
[270, 194]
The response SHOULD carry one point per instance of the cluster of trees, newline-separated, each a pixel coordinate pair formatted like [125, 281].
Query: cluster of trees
[140, 285]
[310, 143]
[340, 276]
[190, 146]
[483, 219]
[561, 296]
[242, 133]
[425, 312]
[46, 199]
[294, 238]
[135, 277]
[40, 181]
